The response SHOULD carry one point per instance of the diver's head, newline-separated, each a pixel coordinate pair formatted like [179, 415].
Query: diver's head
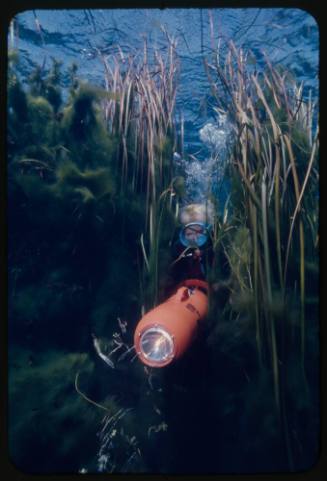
[194, 234]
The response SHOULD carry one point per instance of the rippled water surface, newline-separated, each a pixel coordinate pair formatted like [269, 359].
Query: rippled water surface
[288, 36]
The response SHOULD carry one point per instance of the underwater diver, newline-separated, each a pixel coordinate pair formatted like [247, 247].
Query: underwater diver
[194, 255]
[165, 332]
[192, 252]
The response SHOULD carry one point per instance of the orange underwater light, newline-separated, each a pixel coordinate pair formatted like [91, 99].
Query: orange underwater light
[165, 333]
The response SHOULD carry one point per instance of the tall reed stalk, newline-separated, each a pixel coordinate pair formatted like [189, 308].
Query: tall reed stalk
[275, 160]
[140, 113]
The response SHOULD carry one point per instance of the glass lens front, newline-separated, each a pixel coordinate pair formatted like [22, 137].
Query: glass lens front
[156, 344]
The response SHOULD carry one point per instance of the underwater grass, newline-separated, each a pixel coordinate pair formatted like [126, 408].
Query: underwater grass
[140, 113]
[274, 155]
[90, 181]
[267, 165]
[124, 134]
[141, 108]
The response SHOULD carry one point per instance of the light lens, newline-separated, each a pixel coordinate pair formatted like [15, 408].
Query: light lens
[156, 344]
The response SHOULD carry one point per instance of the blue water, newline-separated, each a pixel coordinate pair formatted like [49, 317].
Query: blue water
[288, 36]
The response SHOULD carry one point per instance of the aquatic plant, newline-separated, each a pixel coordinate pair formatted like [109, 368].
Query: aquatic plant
[80, 201]
[140, 113]
[274, 201]
[44, 407]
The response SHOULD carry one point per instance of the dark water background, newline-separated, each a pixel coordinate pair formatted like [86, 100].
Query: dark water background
[290, 37]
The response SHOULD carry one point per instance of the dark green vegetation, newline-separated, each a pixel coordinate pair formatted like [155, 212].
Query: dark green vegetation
[89, 192]
[92, 203]
[271, 240]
